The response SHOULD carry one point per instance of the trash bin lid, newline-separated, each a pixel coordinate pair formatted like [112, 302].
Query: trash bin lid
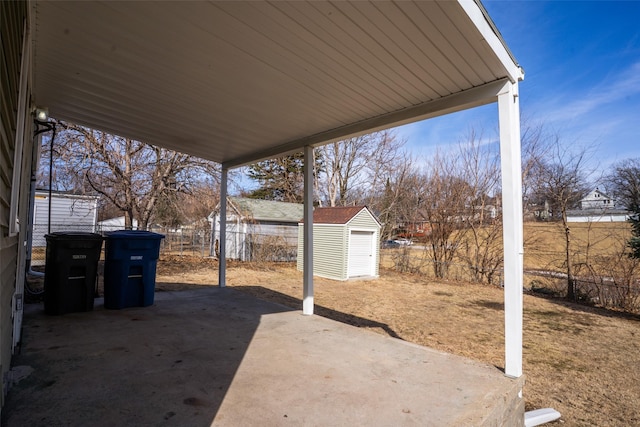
[72, 235]
[133, 234]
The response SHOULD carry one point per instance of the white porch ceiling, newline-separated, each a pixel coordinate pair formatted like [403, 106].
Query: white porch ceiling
[239, 81]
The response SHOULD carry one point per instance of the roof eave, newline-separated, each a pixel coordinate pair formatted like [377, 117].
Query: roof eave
[478, 14]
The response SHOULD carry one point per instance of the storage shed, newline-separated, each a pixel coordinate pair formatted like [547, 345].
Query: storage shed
[346, 242]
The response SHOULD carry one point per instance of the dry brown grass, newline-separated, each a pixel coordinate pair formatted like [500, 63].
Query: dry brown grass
[582, 361]
[544, 242]
[544, 248]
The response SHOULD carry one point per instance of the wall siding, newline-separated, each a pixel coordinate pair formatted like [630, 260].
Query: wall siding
[363, 219]
[330, 251]
[12, 19]
[329, 246]
[68, 213]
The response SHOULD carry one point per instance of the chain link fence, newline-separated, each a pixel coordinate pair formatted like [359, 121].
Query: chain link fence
[618, 289]
[39, 242]
[189, 242]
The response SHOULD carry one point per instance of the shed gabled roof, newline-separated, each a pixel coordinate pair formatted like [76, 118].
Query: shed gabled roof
[267, 210]
[236, 82]
[338, 214]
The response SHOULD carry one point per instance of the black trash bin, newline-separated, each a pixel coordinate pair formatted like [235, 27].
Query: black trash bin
[71, 271]
[130, 268]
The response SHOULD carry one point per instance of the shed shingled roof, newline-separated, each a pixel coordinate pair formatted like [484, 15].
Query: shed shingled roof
[335, 215]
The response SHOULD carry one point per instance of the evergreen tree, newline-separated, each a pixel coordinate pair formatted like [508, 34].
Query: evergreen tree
[280, 179]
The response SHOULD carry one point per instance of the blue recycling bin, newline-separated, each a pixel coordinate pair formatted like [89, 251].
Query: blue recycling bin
[71, 271]
[130, 268]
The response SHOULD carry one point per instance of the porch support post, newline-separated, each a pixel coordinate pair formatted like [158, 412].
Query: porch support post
[307, 302]
[222, 261]
[509, 116]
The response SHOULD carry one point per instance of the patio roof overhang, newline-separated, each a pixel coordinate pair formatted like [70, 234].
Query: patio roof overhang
[235, 82]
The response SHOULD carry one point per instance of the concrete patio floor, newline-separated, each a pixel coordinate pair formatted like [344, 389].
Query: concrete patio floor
[219, 357]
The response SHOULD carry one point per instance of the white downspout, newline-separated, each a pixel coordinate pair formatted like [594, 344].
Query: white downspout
[222, 262]
[307, 302]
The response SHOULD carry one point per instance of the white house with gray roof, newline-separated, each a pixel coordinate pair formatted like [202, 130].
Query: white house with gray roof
[598, 207]
[264, 230]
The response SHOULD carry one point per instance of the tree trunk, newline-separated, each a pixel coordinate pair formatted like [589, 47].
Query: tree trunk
[571, 283]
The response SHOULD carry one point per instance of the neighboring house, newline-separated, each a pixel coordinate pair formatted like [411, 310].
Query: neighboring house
[413, 230]
[69, 212]
[539, 212]
[596, 199]
[597, 207]
[264, 230]
[346, 243]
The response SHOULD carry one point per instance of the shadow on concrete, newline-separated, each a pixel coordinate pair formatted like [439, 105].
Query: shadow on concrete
[338, 316]
[212, 356]
[171, 363]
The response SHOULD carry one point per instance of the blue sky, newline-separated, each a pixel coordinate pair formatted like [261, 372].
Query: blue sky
[582, 77]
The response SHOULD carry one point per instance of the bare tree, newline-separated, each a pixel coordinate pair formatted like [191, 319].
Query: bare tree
[441, 203]
[624, 182]
[562, 180]
[175, 209]
[481, 236]
[396, 201]
[132, 176]
[536, 146]
[354, 168]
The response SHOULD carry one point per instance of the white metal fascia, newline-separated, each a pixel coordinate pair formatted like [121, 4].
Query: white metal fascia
[470, 98]
[479, 16]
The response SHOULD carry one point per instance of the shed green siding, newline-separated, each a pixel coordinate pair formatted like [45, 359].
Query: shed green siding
[331, 245]
[363, 219]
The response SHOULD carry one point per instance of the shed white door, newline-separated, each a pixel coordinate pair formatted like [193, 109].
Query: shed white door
[361, 253]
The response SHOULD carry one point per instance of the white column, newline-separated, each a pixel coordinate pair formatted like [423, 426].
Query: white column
[307, 302]
[222, 261]
[509, 114]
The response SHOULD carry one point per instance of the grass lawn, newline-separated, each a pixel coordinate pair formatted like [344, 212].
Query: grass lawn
[582, 361]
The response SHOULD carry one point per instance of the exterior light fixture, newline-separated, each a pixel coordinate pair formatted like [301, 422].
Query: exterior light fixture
[41, 114]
